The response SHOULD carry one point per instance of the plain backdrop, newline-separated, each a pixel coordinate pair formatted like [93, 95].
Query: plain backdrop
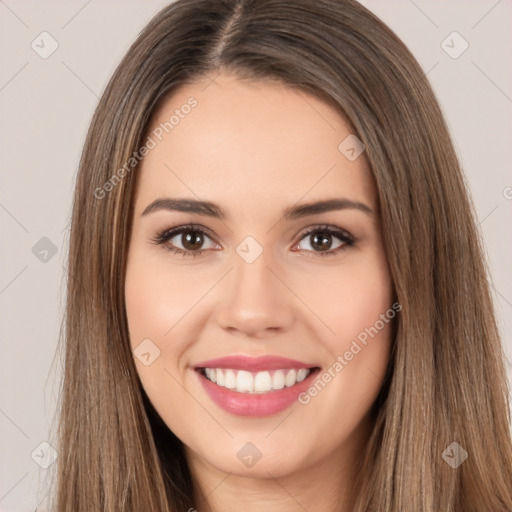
[46, 105]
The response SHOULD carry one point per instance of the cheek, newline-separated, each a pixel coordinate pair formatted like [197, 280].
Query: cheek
[162, 306]
[145, 305]
[156, 312]
[156, 304]
[152, 309]
[361, 316]
[361, 306]
[353, 299]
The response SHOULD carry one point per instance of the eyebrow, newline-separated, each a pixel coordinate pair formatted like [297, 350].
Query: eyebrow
[210, 209]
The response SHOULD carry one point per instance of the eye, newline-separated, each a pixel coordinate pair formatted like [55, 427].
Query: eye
[185, 240]
[188, 240]
[320, 241]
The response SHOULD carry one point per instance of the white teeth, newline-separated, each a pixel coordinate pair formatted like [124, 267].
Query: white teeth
[278, 380]
[210, 373]
[301, 374]
[244, 381]
[230, 379]
[291, 378]
[262, 382]
[259, 382]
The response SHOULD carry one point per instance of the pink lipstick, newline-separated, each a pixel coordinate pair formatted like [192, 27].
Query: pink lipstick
[248, 386]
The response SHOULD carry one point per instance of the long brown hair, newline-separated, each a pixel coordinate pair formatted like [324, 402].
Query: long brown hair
[446, 381]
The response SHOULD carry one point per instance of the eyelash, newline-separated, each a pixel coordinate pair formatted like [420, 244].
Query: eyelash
[163, 237]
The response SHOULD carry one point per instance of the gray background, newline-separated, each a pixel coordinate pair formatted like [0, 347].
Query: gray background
[45, 108]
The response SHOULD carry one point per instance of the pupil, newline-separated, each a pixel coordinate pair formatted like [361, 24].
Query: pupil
[323, 242]
[192, 240]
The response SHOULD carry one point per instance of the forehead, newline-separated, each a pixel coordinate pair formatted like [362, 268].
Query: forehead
[249, 145]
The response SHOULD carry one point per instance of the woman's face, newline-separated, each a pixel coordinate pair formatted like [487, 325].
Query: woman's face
[248, 280]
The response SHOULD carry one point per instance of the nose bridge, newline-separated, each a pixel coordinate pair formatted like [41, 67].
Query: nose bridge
[251, 273]
[256, 300]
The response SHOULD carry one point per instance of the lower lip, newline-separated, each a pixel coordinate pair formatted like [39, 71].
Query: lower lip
[257, 405]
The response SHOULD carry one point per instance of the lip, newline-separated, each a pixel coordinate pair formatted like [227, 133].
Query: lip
[254, 405]
[254, 364]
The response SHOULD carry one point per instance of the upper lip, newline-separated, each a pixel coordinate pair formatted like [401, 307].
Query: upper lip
[253, 364]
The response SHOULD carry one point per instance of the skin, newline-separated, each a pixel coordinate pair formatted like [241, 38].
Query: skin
[256, 149]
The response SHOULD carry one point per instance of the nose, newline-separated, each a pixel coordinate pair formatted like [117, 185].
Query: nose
[257, 302]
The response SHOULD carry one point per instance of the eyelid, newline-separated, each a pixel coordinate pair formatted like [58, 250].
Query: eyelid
[342, 234]
[187, 227]
[162, 238]
[307, 230]
[329, 228]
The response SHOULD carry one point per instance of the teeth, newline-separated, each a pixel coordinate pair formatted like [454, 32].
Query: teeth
[262, 382]
[254, 383]
[230, 379]
[302, 374]
[278, 380]
[244, 381]
[291, 378]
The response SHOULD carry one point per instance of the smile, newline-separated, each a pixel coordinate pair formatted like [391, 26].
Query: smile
[255, 394]
[261, 382]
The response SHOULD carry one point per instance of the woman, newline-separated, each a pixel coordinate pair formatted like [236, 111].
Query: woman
[277, 295]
